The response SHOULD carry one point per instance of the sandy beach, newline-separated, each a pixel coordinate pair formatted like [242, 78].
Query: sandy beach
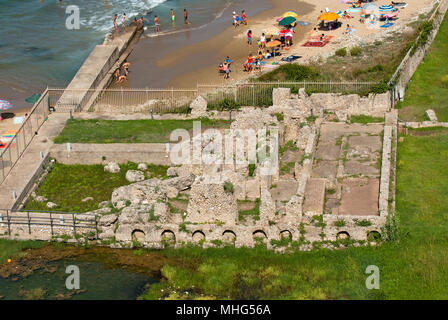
[197, 63]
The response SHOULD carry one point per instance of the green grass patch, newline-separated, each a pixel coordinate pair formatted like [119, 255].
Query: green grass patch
[366, 119]
[427, 89]
[128, 131]
[11, 248]
[67, 185]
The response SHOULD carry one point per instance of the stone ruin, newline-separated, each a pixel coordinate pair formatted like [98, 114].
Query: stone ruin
[332, 183]
[328, 185]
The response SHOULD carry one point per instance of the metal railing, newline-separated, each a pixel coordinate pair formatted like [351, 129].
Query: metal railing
[53, 221]
[179, 100]
[24, 135]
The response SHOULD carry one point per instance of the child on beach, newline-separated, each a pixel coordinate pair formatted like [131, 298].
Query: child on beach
[263, 40]
[236, 19]
[249, 37]
[156, 24]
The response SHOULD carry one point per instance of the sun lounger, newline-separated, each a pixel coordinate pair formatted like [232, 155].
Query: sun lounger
[387, 25]
[290, 58]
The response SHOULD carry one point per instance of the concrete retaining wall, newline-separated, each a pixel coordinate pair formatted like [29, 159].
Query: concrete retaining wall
[114, 152]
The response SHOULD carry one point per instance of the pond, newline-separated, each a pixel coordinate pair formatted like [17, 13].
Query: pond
[103, 274]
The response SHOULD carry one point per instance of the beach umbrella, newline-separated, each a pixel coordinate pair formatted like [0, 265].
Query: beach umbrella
[5, 105]
[33, 98]
[274, 43]
[329, 16]
[287, 21]
[290, 14]
[385, 8]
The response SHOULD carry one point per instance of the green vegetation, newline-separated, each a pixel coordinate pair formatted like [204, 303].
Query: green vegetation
[68, 185]
[254, 212]
[342, 52]
[290, 72]
[412, 268]
[252, 167]
[355, 51]
[128, 131]
[228, 187]
[11, 248]
[427, 89]
[225, 104]
[365, 119]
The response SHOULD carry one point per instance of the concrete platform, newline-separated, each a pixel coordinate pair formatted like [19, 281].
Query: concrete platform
[314, 196]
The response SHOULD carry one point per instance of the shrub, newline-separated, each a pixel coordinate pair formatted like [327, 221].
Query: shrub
[339, 223]
[355, 51]
[341, 52]
[252, 168]
[228, 187]
[379, 88]
[290, 72]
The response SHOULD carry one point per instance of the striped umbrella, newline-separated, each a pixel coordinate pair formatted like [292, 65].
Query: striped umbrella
[385, 7]
[5, 105]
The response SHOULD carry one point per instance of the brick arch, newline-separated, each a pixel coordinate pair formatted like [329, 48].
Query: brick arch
[229, 236]
[373, 236]
[168, 235]
[286, 234]
[198, 235]
[342, 235]
[138, 235]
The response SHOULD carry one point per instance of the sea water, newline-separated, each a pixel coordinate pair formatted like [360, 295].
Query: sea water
[37, 50]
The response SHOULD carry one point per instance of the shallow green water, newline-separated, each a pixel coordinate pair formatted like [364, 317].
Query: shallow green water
[96, 282]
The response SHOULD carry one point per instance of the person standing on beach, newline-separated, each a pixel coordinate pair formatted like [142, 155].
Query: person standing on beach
[244, 17]
[123, 20]
[186, 16]
[157, 24]
[263, 40]
[249, 37]
[173, 17]
[115, 22]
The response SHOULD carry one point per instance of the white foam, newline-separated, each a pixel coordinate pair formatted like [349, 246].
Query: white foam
[99, 18]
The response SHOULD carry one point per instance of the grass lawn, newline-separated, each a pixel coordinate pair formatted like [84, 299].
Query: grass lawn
[10, 248]
[67, 185]
[428, 88]
[415, 267]
[128, 131]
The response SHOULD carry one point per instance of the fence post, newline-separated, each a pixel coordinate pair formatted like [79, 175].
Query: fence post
[8, 218]
[74, 225]
[51, 224]
[122, 98]
[29, 222]
[96, 227]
